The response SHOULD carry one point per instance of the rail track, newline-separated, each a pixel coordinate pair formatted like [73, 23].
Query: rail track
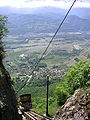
[35, 116]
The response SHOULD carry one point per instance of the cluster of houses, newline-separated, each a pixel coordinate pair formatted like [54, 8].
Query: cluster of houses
[24, 70]
[54, 73]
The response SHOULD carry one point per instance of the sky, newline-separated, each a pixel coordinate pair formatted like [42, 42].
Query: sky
[44, 3]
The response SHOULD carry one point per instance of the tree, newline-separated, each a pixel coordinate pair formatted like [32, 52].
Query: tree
[3, 31]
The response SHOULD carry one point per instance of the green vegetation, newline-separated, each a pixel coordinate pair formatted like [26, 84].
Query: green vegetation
[3, 31]
[39, 105]
[39, 98]
[61, 93]
[0, 74]
[58, 56]
[77, 77]
[88, 56]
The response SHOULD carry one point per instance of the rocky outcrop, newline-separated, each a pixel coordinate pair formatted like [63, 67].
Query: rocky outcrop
[76, 107]
[8, 103]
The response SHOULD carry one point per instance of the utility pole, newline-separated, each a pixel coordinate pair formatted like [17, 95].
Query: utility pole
[47, 87]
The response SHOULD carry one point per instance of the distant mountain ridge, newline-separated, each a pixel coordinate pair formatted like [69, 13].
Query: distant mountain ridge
[80, 12]
[23, 21]
[20, 24]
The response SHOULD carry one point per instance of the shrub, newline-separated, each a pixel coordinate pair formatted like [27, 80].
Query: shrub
[77, 77]
[61, 93]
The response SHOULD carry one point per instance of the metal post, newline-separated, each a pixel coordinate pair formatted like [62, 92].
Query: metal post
[47, 86]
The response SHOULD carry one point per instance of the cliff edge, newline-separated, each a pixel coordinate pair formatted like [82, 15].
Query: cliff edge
[8, 103]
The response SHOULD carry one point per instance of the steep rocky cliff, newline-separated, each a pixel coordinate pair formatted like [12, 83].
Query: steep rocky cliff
[8, 104]
[76, 107]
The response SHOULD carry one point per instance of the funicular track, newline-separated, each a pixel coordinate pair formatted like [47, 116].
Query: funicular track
[35, 116]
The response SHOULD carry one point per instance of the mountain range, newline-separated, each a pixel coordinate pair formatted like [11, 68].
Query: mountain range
[23, 21]
[80, 12]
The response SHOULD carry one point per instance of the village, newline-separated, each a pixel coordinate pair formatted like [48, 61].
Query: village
[23, 71]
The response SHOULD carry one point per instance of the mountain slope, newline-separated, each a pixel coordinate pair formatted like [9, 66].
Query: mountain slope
[26, 24]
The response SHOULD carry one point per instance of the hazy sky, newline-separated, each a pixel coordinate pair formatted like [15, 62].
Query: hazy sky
[44, 3]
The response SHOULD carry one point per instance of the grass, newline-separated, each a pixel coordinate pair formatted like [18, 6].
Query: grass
[56, 59]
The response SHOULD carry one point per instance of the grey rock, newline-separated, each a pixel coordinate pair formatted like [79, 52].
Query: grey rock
[77, 107]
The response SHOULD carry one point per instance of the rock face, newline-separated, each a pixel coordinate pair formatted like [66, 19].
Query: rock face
[76, 107]
[8, 104]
